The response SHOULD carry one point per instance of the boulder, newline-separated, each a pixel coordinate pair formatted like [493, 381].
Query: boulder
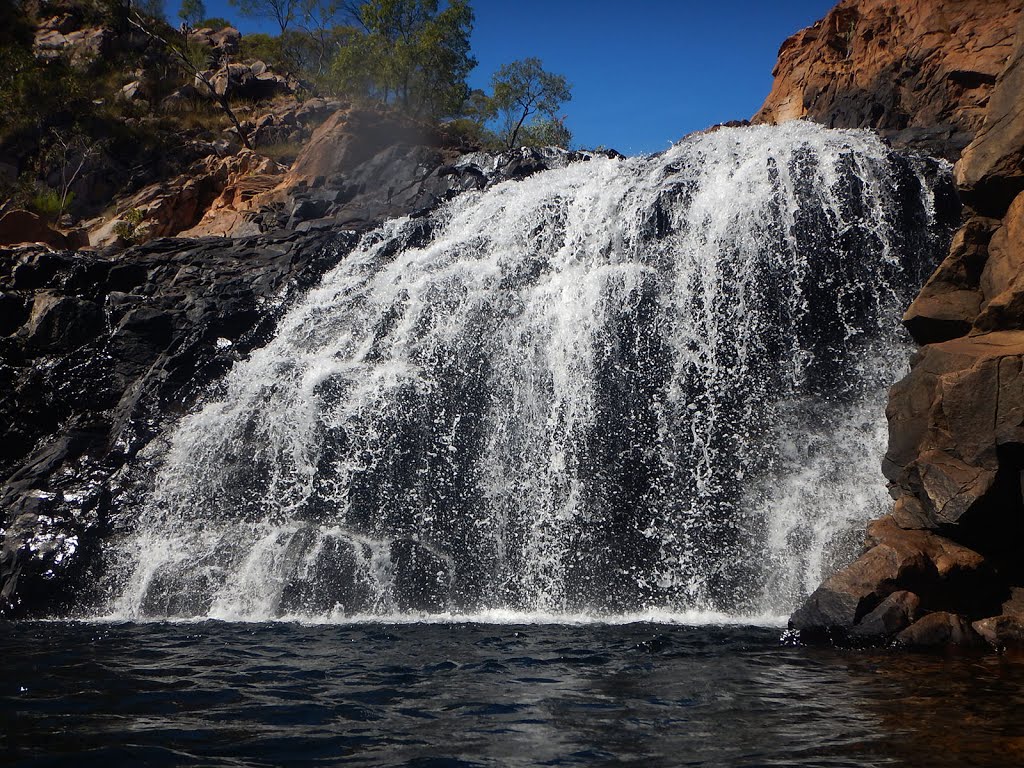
[80, 47]
[238, 81]
[222, 42]
[857, 590]
[882, 590]
[894, 614]
[226, 40]
[1002, 281]
[949, 418]
[937, 630]
[951, 300]
[1007, 629]
[1001, 631]
[19, 226]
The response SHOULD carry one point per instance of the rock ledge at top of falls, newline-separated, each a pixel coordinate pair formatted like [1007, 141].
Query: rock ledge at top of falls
[920, 72]
[946, 566]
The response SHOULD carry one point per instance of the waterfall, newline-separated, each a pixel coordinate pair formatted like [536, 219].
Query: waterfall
[624, 385]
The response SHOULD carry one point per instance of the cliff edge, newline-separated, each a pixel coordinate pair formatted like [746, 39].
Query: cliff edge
[920, 72]
[945, 565]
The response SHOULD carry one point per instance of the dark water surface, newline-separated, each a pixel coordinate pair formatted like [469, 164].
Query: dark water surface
[488, 694]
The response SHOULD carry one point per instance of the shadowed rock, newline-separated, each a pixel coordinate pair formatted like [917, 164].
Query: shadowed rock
[894, 614]
[937, 630]
[990, 172]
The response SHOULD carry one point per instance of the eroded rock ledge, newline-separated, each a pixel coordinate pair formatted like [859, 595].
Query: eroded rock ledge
[945, 566]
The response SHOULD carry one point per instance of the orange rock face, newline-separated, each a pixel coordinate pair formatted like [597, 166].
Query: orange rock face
[919, 71]
[991, 171]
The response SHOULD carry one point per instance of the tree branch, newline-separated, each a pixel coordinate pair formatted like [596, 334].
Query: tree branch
[222, 100]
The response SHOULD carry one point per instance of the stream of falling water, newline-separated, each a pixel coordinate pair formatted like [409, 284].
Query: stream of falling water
[617, 387]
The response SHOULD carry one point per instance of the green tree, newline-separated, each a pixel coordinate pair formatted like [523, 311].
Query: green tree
[322, 33]
[412, 54]
[282, 12]
[192, 12]
[545, 132]
[215, 23]
[523, 90]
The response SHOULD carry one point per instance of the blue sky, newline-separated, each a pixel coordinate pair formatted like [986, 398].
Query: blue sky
[644, 73]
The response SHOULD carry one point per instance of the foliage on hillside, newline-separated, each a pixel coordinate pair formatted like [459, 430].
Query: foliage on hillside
[83, 77]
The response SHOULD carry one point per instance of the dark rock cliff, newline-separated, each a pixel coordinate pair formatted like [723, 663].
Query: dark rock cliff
[945, 566]
[102, 351]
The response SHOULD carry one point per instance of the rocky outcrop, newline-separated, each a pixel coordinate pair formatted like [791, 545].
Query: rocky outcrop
[245, 81]
[81, 47]
[362, 165]
[17, 227]
[955, 460]
[225, 41]
[171, 207]
[920, 72]
[99, 351]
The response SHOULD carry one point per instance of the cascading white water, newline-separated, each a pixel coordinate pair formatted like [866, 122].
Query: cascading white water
[623, 385]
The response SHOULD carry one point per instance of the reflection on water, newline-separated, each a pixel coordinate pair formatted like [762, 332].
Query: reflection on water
[480, 694]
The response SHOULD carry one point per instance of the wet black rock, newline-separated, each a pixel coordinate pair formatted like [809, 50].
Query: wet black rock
[102, 351]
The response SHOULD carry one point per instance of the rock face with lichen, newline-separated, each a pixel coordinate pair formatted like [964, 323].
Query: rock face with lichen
[920, 72]
[952, 546]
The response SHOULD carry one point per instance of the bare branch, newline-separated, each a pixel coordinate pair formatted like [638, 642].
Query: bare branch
[136, 20]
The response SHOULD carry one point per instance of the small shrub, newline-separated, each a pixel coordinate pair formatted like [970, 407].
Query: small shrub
[469, 132]
[216, 23]
[128, 228]
[48, 204]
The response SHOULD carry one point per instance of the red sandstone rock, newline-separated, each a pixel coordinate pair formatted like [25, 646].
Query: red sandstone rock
[948, 418]
[351, 137]
[1007, 629]
[1002, 281]
[894, 614]
[951, 300]
[991, 171]
[26, 227]
[921, 71]
[914, 564]
[185, 202]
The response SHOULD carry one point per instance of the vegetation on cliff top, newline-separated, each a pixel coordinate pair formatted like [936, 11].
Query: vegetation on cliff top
[80, 77]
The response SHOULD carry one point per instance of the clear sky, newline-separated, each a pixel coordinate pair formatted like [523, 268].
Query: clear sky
[644, 72]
